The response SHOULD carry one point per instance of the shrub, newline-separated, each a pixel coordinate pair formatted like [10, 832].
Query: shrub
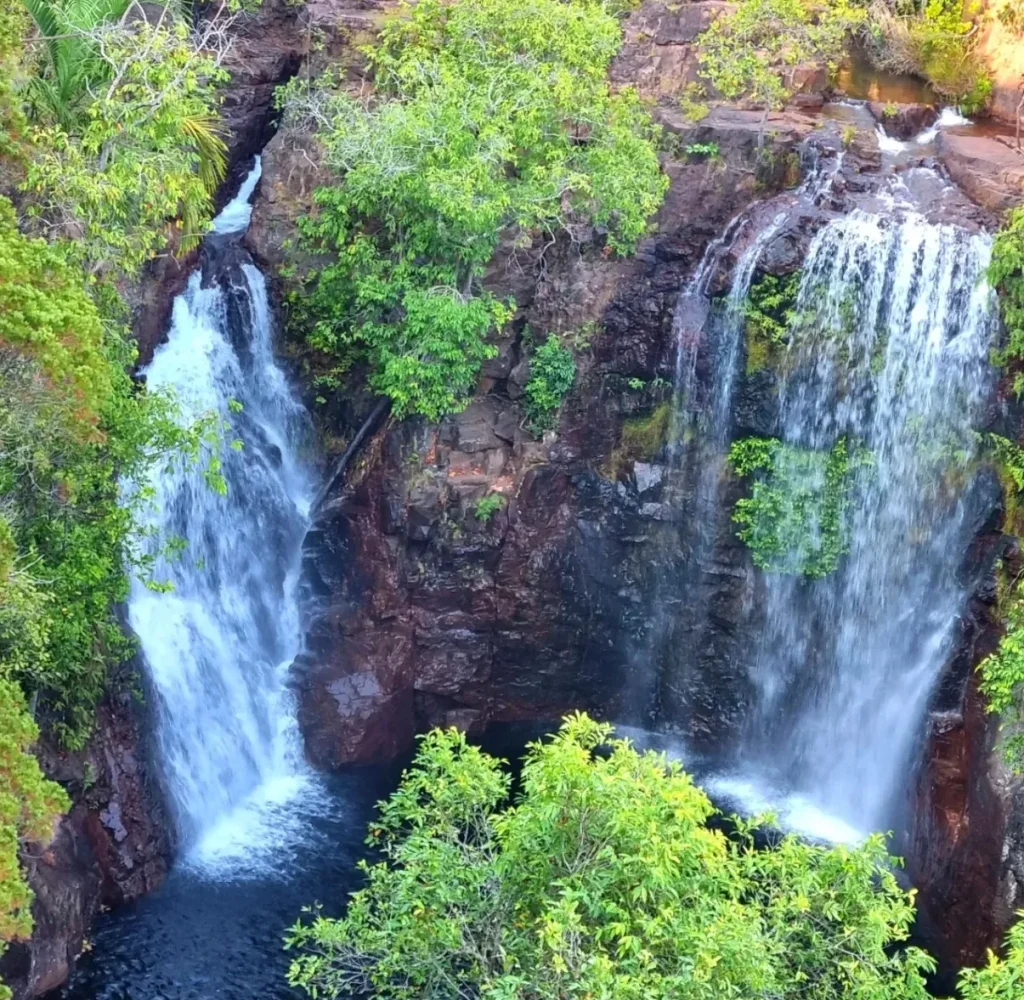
[488, 506]
[934, 40]
[552, 373]
[1006, 274]
[128, 140]
[746, 53]
[998, 979]
[769, 312]
[601, 879]
[496, 118]
[795, 519]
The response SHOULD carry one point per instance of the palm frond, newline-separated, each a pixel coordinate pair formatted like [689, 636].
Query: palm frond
[205, 132]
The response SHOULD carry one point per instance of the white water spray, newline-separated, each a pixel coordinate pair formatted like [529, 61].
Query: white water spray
[219, 644]
[892, 353]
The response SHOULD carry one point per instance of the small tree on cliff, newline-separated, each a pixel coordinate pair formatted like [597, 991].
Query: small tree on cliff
[601, 880]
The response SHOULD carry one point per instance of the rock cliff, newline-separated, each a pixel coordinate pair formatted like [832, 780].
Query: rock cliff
[112, 847]
[422, 613]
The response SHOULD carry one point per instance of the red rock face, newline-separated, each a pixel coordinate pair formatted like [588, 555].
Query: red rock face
[958, 834]
[111, 848]
[989, 169]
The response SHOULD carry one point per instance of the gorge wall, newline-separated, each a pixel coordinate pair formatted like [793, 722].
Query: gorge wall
[112, 847]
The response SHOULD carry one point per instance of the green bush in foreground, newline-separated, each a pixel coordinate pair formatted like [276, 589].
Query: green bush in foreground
[600, 879]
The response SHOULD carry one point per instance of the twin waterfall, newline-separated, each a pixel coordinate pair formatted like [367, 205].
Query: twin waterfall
[219, 642]
[889, 352]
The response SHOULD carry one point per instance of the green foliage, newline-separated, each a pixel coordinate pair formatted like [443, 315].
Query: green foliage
[1002, 678]
[552, 373]
[73, 66]
[769, 313]
[933, 39]
[795, 519]
[702, 150]
[46, 311]
[999, 979]
[108, 126]
[642, 437]
[13, 27]
[127, 141]
[747, 53]
[1006, 274]
[601, 879]
[71, 422]
[1008, 459]
[488, 506]
[1002, 673]
[496, 118]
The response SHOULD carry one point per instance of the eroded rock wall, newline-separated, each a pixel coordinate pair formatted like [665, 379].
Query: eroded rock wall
[112, 847]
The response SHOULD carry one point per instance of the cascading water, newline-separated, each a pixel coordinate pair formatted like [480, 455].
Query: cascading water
[218, 644]
[889, 353]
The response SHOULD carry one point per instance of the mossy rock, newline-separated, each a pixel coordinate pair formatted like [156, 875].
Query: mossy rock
[642, 438]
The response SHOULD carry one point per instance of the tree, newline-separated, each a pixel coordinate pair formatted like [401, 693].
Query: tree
[490, 118]
[126, 140]
[746, 52]
[602, 878]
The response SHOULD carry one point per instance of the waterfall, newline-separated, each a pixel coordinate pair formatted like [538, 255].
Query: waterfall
[889, 352]
[217, 645]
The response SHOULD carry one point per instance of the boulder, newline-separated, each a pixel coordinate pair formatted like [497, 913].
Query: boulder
[903, 121]
[988, 169]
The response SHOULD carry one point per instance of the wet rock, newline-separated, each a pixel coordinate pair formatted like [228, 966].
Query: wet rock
[988, 169]
[112, 847]
[292, 171]
[266, 47]
[647, 476]
[903, 121]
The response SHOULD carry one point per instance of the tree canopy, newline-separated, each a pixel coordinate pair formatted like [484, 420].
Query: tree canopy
[601, 877]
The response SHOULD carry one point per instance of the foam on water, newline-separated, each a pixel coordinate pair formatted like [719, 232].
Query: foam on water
[948, 118]
[794, 813]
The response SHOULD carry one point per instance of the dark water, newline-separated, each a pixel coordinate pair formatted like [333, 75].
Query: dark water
[859, 79]
[219, 938]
